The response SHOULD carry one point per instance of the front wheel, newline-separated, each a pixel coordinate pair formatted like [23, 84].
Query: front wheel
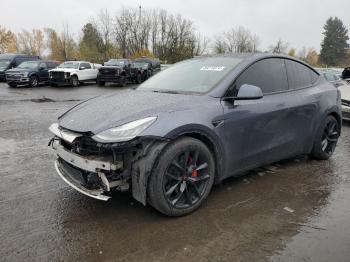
[74, 81]
[100, 83]
[33, 81]
[183, 177]
[326, 139]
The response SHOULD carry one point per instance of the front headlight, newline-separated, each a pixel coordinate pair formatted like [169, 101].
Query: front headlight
[25, 74]
[124, 132]
[67, 75]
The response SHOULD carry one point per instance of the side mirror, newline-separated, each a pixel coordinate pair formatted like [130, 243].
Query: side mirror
[41, 68]
[246, 92]
[82, 68]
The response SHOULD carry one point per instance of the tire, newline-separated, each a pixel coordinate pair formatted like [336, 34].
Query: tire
[74, 81]
[123, 81]
[100, 83]
[33, 81]
[12, 84]
[326, 139]
[138, 79]
[178, 187]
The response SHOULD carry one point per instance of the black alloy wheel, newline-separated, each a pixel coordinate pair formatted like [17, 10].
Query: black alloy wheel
[183, 178]
[330, 137]
[326, 139]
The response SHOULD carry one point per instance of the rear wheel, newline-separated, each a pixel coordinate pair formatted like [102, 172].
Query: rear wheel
[74, 81]
[183, 177]
[326, 139]
[33, 81]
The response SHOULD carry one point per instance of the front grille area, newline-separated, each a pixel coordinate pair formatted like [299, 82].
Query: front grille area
[108, 71]
[345, 102]
[13, 77]
[57, 76]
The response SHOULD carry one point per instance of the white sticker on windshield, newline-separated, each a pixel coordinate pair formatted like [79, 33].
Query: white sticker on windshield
[212, 68]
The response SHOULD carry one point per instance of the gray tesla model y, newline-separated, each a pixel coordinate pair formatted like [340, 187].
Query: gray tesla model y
[193, 125]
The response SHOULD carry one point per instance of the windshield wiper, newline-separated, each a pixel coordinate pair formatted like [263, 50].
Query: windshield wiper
[166, 91]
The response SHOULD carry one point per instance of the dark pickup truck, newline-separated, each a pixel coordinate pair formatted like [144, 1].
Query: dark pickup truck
[114, 71]
[8, 61]
[140, 71]
[30, 73]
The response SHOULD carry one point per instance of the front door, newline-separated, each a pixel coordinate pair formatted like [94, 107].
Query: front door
[258, 130]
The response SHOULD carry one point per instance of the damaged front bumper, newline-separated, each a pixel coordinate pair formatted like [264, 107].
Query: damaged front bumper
[67, 177]
[109, 166]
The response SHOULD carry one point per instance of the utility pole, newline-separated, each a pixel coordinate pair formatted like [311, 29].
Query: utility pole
[139, 13]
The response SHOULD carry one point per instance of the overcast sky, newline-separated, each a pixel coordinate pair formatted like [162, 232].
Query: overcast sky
[298, 22]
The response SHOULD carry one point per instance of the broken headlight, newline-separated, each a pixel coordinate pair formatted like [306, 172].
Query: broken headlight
[124, 132]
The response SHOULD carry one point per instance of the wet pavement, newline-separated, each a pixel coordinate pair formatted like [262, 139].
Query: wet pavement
[294, 210]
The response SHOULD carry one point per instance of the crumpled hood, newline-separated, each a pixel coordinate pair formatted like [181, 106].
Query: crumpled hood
[67, 70]
[107, 111]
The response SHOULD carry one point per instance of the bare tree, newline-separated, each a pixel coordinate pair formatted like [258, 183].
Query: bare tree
[280, 47]
[31, 42]
[236, 40]
[104, 24]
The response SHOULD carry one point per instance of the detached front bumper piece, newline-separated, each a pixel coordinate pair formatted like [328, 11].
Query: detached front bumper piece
[66, 175]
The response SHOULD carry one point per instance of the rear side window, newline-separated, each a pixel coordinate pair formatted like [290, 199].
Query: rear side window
[300, 76]
[268, 74]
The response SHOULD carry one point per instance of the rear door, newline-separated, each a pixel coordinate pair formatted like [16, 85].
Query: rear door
[304, 103]
[258, 131]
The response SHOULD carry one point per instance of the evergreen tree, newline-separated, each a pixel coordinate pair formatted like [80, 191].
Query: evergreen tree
[90, 46]
[334, 45]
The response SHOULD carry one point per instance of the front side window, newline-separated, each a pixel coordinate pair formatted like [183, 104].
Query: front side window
[299, 75]
[192, 76]
[268, 74]
[43, 66]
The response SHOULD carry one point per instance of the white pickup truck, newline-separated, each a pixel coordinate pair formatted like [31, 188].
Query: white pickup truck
[73, 73]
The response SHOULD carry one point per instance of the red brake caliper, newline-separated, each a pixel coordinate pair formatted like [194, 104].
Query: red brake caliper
[194, 173]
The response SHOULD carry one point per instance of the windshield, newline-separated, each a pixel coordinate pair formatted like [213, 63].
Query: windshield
[4, 63]
[139, 65]
[28, 65]
[74, 65]
[192, 76]
[114, 62]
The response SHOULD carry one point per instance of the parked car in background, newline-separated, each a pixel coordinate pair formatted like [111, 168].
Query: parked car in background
[346, 74]
[332, 77]
[140, 71]
[153, 61]
[195, 124]
[73, 73]
[8, 61]
[345, 101]
[30, 73]
[114, 71]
